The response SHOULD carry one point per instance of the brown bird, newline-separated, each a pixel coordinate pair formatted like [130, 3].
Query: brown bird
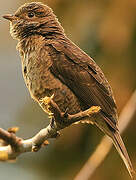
[52, 64]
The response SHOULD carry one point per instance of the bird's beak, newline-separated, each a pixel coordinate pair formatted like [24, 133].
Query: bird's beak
[9, 17]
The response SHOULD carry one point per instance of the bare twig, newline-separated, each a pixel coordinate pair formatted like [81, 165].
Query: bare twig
[105, 145]
[14, 146]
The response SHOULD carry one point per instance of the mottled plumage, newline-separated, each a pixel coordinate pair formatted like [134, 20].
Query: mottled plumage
[52, 64]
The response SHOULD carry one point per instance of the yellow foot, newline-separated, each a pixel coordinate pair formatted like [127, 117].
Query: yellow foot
[93, 110]
[45, 104]
[46, 100]
[89, 112]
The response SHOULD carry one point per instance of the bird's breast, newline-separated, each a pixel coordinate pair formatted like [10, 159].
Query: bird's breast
[41, 82]
[36, 74]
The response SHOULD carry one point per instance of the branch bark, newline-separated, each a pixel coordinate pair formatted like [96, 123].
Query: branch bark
[12, 146]
[105, 145]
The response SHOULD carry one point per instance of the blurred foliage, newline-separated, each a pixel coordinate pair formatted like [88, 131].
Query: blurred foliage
[106, 30]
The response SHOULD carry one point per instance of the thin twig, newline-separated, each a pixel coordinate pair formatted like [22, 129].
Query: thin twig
[105, 145]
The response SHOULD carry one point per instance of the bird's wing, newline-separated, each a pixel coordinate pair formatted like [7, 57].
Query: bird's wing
[83, 76]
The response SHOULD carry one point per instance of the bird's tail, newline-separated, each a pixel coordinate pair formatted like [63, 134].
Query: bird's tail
[119, 145]
[118, 142]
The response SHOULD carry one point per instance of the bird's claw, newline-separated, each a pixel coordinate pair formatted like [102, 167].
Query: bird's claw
[46, 100]
[45, 104]
[93, 110]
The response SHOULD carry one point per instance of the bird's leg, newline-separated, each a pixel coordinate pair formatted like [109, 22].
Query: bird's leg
[52, 122]
[66, 113]
[45, 103]
[63, 119]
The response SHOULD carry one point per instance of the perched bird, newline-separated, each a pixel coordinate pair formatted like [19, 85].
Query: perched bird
[52, 64]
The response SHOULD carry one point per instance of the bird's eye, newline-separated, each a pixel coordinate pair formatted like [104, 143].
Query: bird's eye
[30, 14]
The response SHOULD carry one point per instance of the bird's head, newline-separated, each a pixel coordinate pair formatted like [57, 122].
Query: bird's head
[33, 18]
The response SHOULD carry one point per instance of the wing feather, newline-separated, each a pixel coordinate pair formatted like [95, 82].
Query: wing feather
[84, 77]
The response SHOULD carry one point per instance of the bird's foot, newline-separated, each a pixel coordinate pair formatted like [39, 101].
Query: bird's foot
[46, 100]
[45, 104]
[93, 110]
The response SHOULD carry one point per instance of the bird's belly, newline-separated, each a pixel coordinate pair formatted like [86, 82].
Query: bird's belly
[43, 83]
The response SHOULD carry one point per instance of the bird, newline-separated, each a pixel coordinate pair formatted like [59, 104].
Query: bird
[53, 65]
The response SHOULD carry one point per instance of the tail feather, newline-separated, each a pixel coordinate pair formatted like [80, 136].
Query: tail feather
[118, 142]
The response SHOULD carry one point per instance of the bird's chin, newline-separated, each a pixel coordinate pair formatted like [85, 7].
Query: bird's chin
[13, 31]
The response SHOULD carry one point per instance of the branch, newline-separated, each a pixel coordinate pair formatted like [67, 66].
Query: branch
[105, 145]
[12, 146]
